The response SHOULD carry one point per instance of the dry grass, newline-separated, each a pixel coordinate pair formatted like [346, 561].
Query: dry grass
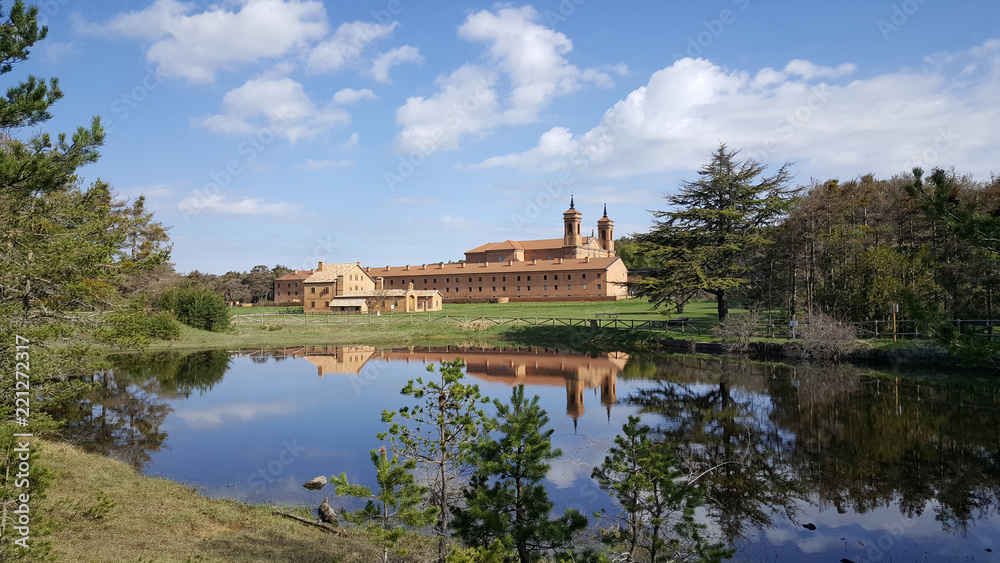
[102, 510]
[475, 326]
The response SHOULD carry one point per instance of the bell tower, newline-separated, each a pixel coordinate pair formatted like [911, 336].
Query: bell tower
[606, 232]
[571, 229]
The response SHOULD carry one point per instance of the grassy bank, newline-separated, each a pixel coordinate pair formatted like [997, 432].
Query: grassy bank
[101, 510]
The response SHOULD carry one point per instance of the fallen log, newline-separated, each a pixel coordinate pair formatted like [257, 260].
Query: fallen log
[325, 527]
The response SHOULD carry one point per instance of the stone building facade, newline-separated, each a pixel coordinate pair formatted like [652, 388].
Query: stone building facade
[572, 268]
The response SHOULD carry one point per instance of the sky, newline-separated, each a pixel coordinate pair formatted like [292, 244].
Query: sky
[397, 132]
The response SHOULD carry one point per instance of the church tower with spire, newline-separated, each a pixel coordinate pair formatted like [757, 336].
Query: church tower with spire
[606, 232]
[571, 230]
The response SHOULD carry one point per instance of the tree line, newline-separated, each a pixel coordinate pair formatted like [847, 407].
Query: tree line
[849, 249]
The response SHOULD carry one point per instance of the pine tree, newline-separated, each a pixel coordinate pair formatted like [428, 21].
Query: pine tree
[396, 504]
[657, 501]
[715, 225]
[506, 503]
[442, 430]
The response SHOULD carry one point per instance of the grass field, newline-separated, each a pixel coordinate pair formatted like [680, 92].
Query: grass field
[263, 327]
[101, 509]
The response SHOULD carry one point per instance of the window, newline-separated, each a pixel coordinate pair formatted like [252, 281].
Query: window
[391, 282]
[494, 278]
[480, 290]
[312, 290]
[312, 304]
[518, 278]
[598, 275]
[505, 278]
[545, 287]
[326, 303]
[447, 280]
[555, 277]
[598, 286]
[569, 276]
[470, 280]
[447, 289]
[435, 281]
[504, 288]
[584, 276]
[279, 294]
[556, 287]
[494, 289]
[545, 278]
[480, 278]
[519, 288]
[425, 280]
[456, 290]
[585, 287]
[529, 278]
[529, 288]
[569, 287]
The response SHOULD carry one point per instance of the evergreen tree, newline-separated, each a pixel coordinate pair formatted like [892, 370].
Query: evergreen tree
[396, 504]
[443, 428]
[507, 503]
[714, 227]
[657, 501]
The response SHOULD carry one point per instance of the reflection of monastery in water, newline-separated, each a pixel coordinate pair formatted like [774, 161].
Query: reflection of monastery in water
[510, 366]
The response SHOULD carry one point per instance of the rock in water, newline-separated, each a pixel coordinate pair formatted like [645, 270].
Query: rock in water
[316, 483]
[326, 514]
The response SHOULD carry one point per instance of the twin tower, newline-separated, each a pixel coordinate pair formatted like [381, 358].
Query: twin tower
[577, 246]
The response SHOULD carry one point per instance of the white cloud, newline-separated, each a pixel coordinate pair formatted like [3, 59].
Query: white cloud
[349, 96]
[385, 61]
[196, 45]
[531, 57]
[350, 142]
[224, 205]
[886, 124]
[278, 105]
[311, 164]
[346, 46]
[414, 201]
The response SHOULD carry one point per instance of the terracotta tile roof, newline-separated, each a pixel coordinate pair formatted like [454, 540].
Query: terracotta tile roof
[331, 271]
[539, 244]
[472, 268]
[296, 275]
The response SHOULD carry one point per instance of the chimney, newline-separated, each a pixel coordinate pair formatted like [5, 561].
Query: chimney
[462, 265]
[407, 268]
[559, 261]
[587, 260]
[320, 268]
[379, 283]
[534, 261]
[340, 286]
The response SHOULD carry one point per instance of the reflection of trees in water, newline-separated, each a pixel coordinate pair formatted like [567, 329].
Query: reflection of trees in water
[855, 442]
[720, 432]
[897, 441]
[121, 417]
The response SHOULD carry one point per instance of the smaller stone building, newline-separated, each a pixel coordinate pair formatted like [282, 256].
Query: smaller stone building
[348, 288]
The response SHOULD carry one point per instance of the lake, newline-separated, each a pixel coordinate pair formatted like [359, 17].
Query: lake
[798, 461]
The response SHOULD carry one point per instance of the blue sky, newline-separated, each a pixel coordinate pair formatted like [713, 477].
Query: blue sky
[396, 132]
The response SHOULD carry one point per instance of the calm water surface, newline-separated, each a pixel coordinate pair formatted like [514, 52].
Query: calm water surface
[883, 469]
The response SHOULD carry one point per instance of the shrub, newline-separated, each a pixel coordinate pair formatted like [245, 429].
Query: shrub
[197, 307]
[134, 326]
[823, 337]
